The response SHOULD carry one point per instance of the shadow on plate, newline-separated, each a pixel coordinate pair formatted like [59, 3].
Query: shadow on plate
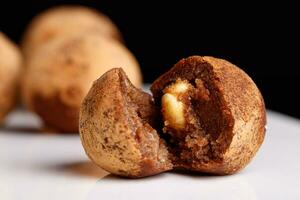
[89, 169]
[20, 129]
[83, 169]
[33, 130]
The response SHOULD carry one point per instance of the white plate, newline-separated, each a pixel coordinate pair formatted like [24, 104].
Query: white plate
[49, 166]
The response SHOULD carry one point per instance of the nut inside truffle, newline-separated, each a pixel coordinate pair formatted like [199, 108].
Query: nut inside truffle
[195, 122]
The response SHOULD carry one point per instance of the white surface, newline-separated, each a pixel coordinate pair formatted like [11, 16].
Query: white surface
[44, 166]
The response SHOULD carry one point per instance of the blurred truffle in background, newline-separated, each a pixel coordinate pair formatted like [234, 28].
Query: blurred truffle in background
[59, 76]
[10, 67]
[62, 21]
[66, 48]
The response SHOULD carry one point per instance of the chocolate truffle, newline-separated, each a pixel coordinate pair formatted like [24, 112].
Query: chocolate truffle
[118, 128]
[207, 116]
[10, 67]
[59, 76]
[63, 21]
[213, 113]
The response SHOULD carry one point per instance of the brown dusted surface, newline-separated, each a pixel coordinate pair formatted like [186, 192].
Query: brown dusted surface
[247, 106]
[115, 128]
[239, 102]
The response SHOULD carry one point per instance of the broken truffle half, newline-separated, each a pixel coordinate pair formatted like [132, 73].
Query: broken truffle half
[213, 115]
[118, 128]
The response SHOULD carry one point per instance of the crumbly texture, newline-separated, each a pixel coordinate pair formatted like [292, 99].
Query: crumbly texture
[63, 21]
[58, 77]
[209, 117]
[118, 128]
[10, 67]
[224, 112]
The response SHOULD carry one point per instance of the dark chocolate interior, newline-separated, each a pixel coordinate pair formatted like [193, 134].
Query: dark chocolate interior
[142, 117]
[208, 128]
[207, 131]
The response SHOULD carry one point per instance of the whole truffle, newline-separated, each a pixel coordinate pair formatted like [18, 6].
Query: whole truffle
[62, 21]
[59, 76]
[10, 67]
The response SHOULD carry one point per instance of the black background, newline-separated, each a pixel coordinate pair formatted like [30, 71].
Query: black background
[261, 39]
